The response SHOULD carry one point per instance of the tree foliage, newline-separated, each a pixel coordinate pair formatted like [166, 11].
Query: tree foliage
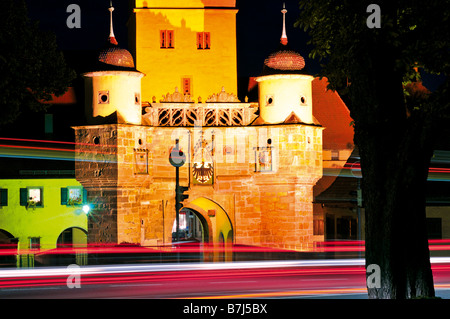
[395, 119]
[31, 66]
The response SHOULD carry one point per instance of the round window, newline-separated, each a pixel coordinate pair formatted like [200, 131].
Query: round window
[103, 97]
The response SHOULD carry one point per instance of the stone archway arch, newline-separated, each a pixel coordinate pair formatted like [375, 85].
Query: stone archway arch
[8, 243]
[220, 227]
[204, 220]
[72, 237]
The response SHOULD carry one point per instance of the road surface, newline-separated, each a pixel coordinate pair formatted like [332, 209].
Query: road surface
[343, 278]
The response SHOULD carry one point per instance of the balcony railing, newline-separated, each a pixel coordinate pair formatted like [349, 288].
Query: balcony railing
[199, 114]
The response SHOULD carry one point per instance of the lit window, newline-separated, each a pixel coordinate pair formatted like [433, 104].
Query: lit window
[73, 195]
[166, 39]
[35, 243]
[103, 97]
[34, 194]
[32, 197]
[203, 40]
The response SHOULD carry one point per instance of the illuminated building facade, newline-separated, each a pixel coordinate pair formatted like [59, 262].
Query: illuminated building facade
[188, 44]
[38, 214]
[250, 167]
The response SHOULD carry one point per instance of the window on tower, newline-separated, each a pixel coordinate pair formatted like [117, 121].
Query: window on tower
[203, 40]
[302, 100]
[186, 86]
[137, 98]
[166, 39]
[103, 97]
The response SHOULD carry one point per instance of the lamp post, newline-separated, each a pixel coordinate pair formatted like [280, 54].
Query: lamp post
[177, 159]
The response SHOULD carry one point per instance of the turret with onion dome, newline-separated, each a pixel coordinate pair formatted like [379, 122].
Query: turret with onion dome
[284, 60]
[113, 87]
[112, 56]
[285, 94]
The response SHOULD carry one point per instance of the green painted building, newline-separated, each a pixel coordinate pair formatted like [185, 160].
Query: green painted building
[40, 213]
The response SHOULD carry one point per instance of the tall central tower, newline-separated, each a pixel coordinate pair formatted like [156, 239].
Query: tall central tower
[185, 44]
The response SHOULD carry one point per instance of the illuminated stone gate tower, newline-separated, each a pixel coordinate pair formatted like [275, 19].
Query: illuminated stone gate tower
[188, 44]
[250, 175]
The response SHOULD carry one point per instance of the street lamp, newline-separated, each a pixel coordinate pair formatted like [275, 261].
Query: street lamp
[86, 209]
[177, 159]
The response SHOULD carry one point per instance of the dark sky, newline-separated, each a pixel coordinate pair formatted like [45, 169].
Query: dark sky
[259, 25]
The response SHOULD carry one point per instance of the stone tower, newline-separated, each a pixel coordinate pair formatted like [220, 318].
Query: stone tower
[113, 87]
[187, 44]
[112, 104]
[250, 176]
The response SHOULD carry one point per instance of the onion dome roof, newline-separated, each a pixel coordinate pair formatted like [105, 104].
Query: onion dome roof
[116, 56]
[285, 60]
[112, 57]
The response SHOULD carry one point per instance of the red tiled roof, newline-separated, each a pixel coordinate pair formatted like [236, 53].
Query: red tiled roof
[67, 98]
[333, 115]
[285, 60]
[114, 55]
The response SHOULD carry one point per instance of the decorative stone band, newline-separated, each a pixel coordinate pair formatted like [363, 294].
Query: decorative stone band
[212, 114]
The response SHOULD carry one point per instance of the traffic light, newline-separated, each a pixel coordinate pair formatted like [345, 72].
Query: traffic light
[180, 197]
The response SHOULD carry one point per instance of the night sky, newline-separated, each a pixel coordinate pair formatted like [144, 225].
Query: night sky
[259, 25]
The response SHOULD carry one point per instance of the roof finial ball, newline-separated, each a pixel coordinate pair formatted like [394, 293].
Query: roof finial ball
[284, 39]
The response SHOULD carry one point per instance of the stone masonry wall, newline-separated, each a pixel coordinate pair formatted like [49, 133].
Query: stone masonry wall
[269, 208]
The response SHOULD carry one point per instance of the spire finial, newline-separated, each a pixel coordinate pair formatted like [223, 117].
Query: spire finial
[112, 38]
[284, 39]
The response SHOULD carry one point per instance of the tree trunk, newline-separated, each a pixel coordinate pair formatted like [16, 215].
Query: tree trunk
[396, 238]
[394, 160]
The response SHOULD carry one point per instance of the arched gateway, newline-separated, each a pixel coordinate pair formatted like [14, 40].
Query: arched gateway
[216, 224]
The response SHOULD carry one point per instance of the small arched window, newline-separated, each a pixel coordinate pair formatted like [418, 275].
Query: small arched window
[269, 100]
[303, 100]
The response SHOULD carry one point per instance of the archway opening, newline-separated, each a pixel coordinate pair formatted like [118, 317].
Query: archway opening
[8, 247]
[220, 228]
[194, 236]
[193, 227]
[72, 237]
